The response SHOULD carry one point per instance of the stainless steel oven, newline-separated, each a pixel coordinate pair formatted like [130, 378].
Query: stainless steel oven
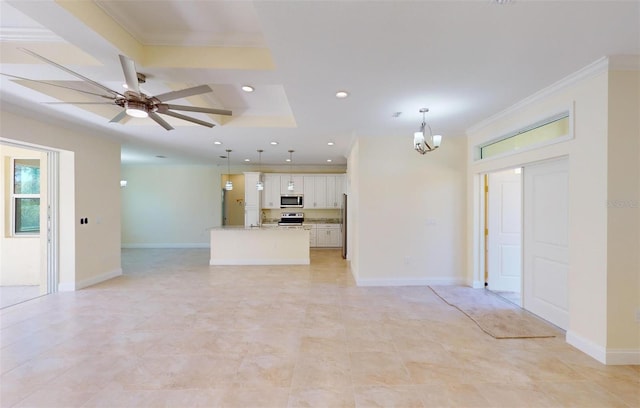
[291, 219]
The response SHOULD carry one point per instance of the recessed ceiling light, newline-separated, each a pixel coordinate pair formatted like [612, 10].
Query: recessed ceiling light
[329, 160]
[288, 160]
[274, 143]
[330, 143]
[247, 160]
[217, 142]
[247, 88]
[342, 94]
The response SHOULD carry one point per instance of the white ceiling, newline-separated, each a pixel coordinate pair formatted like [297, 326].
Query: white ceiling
[464, 60]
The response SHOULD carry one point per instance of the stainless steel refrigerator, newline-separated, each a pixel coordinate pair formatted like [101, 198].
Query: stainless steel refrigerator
[344, 226]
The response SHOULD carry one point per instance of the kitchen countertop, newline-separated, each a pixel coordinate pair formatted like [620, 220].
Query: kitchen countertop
[306, 221]
[256, 228]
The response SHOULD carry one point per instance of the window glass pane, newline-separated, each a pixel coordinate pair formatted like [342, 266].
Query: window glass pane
[27, 215]
[26, 176]
[540, 134]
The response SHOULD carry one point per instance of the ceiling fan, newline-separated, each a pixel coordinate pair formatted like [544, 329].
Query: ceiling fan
[134, 102]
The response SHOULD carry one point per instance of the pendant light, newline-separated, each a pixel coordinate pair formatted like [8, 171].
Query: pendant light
[260, 184]
[291, 186]
[228, 185]
[420, 142]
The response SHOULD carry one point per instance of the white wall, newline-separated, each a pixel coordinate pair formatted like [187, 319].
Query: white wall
[89, 187]
[170, 205]
[591, 317]
[410, 211]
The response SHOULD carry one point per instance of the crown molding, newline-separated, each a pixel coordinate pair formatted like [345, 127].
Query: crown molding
[31, 34]
[595, 68]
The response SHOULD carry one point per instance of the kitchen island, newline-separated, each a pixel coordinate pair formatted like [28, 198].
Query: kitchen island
[259, 246]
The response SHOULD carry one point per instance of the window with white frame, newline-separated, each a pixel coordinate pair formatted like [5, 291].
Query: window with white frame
[25, 196]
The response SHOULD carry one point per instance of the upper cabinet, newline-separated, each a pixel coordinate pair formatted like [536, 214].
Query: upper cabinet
[335, 189]
[315, 191]
[320, 191]
[298, 184]
[271, 192]
[323, 190]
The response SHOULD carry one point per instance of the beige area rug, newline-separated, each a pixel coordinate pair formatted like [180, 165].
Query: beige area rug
[495, 316]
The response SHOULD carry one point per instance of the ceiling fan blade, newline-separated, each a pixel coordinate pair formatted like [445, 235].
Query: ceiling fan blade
[78, 103]
[65, 69]
[130, 74]
[196, 90]
[198, 109]
[188, 118]
[119, 117]
[160, 121]
[59, 86]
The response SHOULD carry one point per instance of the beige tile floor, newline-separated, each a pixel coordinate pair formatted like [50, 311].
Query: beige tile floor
[12, 295]
[175, 332]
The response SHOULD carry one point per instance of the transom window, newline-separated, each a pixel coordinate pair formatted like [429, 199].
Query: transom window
[538, 134]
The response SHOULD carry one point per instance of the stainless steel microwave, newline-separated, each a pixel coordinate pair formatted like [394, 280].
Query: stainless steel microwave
[291, 201]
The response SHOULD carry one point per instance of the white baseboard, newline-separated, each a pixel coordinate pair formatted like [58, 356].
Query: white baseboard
[287, 261]
[410, 281]
[602, 354]
[477, 284]
[167, 245]
[73, 286]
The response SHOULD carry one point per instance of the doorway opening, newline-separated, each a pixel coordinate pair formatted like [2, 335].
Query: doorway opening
[233, 200]
[503, 233]
[28, 266]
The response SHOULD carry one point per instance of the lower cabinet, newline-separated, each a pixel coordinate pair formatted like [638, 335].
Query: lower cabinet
[328, 235]
[313, 242]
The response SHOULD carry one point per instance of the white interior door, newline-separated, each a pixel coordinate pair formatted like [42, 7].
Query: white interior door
[546, 241]
[505, 225]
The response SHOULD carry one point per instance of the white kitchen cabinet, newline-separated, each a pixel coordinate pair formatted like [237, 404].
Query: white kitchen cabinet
[251, 217]
[313, 242]
[315, 191]
[251, 200]
[271, 192]
[328, 235]
[320, 191]
[298, 184]
[251, 193]
[335, 189]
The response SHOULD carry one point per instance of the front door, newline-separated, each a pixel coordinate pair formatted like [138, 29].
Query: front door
[546, 241]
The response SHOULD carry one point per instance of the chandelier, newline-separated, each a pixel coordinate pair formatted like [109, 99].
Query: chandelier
[421, 143]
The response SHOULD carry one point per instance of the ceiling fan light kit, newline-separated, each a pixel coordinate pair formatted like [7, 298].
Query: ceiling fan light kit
[136, 109]
[135, 103]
